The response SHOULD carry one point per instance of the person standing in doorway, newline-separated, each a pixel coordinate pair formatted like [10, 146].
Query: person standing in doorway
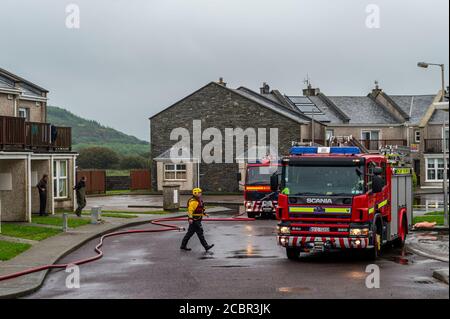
[80, 189]
[196, 211]
[42, 188]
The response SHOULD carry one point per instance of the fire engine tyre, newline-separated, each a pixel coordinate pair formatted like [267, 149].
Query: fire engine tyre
[400, 241]
[251, 215]
[293, 253]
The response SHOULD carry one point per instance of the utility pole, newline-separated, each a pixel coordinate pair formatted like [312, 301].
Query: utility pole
[444, 137]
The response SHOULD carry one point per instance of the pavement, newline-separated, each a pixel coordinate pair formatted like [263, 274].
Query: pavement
[245, 263]
[432, 244]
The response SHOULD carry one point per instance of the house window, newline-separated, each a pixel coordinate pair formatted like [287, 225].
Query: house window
[24, 113]
[175, 172]
[370, 135]
[60, 179]
[329, 134]
[435, 169]
[417, 136]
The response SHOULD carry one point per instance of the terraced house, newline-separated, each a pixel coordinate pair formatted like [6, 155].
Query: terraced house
[378, 119]
[29, 148]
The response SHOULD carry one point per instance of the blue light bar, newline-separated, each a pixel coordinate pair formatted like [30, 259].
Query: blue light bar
[299, 150]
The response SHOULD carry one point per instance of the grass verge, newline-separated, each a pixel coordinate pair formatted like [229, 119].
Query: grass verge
[9, 250]
[57, 221]
[438, 219]
[435, 213]
[28, 232]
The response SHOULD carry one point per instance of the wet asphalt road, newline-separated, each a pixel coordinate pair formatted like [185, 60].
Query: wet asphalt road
[245, 263]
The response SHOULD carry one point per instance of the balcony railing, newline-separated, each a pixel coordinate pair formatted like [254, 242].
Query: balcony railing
[374, 145]
[16, 134]
[434, 145]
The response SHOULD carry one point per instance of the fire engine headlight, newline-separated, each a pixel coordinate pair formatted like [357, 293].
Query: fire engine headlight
[284, 230]
[359, 232]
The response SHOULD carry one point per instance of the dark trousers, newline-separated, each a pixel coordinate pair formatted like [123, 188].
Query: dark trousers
[42, 203]
[195, 227]
[81, 202]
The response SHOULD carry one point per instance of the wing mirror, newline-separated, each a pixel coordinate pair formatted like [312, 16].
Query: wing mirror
[274, 182]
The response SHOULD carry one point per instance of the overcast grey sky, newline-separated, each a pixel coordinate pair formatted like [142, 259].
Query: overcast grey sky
[131, 59]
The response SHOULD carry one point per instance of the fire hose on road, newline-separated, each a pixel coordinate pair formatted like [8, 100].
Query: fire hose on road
[158, 222]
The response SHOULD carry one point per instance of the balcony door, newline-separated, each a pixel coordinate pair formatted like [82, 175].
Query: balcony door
[370, 139]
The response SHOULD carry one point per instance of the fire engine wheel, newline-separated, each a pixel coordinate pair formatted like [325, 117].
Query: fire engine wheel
[293, 253]
[251, 215]
[400, 241]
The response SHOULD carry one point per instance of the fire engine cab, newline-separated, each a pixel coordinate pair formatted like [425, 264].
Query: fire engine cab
[335, 198]
[258, 196]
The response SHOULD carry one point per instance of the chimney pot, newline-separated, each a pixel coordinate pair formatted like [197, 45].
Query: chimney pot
[221, 82]
[265, 89]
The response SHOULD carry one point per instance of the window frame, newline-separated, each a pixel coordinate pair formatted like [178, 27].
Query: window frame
[57, 178]
[27, 113]
[176, 170]
[417, 138]
[435, 168]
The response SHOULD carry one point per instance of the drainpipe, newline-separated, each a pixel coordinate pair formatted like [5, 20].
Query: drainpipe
[52, 199]
[28, 183]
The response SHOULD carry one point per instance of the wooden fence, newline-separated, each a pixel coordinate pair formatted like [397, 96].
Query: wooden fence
[96, 181]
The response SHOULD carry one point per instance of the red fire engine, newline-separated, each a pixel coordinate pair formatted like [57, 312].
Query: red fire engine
[336, 198]
[258, 197]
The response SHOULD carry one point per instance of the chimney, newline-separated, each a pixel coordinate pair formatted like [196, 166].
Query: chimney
[310, 91]
[265, 89]
[221, 82]
[376, 90]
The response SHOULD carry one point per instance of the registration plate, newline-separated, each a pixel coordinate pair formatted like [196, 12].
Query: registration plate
[319, 229]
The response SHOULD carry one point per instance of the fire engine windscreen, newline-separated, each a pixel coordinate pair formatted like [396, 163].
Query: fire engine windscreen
[260, 175]
[323, 180]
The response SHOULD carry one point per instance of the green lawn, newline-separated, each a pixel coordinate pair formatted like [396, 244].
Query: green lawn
[117, 172]
[435, 213]
[128, 192]
[9, 250]
[28, 232]
[115, 215]
[57, 221]
[438, 219]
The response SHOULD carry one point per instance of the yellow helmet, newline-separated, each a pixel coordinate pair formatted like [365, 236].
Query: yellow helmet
[196, 191]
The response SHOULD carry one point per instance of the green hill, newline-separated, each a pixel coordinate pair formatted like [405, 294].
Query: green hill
[86, 133]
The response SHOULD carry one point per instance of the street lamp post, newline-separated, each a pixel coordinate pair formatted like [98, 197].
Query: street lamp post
[444, 137]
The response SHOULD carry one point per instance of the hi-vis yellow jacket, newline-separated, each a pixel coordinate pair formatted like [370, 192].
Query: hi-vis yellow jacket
[196, 208]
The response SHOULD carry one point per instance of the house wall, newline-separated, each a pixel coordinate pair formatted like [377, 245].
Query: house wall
[386, 133]
[220, 108]
[37, 113]
[13, 201]
[6, 106]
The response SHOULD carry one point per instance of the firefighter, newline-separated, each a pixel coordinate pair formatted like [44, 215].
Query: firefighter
[196, 211]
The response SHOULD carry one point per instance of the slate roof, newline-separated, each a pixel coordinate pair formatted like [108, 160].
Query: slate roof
[414, 105]
[439, 117]
[362, 110]
[8, 81]
[269, 103]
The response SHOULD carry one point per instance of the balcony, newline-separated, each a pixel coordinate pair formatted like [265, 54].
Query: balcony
[18, 135]
[374, 145]
[434, 145]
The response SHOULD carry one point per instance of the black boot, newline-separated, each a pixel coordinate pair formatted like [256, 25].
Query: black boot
[185, 248]
[209, 247]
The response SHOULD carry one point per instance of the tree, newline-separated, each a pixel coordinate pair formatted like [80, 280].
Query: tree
[133, 162]
[97, 158]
